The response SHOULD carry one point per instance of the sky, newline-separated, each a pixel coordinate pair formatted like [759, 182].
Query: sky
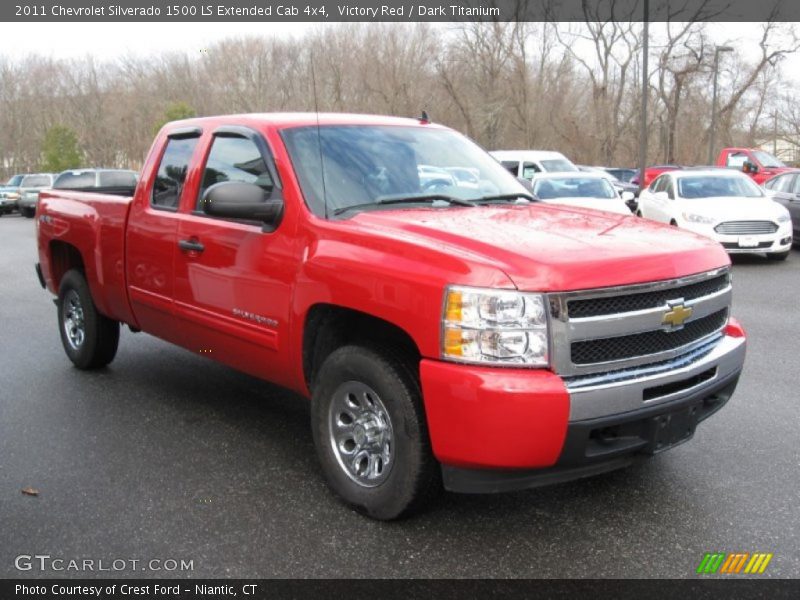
[110, 40]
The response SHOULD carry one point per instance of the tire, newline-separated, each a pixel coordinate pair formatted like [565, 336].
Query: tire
[28, 213]
[89, 338]
[778, 256]
[371, 401]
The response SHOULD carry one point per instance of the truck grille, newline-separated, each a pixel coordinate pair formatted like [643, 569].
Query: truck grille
[592, 307]
[746, 227]
[647, 343]
[609, 329]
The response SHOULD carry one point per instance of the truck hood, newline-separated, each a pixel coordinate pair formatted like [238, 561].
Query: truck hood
[550, 248]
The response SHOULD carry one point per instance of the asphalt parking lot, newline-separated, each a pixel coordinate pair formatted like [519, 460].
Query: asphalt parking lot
[167, 455]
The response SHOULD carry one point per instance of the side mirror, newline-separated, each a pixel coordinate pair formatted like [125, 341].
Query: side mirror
[749, 167]
[247, 201]
[627, 196]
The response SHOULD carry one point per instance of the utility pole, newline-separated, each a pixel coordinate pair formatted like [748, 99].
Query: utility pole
[713, 129]
[643, 111]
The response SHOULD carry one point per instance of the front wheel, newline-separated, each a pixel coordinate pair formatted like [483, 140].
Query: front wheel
[370, 432]
[28, 213]
[89, 338]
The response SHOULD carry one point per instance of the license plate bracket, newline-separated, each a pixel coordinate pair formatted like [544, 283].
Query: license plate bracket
[748, 241]
[671, 429]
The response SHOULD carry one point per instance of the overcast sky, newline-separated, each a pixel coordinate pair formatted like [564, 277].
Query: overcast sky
[109, 40]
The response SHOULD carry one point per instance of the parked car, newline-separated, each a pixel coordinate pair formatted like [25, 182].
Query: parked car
[620, 186]
[29, 189]
[622, 173]
[589, 190]
[785, 189]
[458, 337]
[724, 205]
[526, 163]
[109, 181]
[758, 164]
[650, 173]
[9, 195]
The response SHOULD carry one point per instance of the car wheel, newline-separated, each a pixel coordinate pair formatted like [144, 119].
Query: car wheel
[370, 432]
[778, 256]
[28, 213]
[89, 338]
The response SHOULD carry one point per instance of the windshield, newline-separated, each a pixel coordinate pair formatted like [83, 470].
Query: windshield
[365, 164]
[15, 180]
[573, 187]
[558, 164]
[36, 181]
[766, 159]
[707, 186]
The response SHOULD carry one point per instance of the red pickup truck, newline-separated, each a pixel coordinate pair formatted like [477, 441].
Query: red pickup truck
[454, 335]
[760, 165]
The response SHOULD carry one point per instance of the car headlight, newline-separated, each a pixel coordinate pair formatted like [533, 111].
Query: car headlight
[13, 196]
[495, 327]
[784, 218]
[692, 218]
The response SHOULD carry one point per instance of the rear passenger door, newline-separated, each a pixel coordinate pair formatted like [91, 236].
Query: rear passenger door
[151, 235]
[233, 278]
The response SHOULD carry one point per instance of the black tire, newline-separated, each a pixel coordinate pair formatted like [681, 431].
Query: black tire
[28, 213]
[97, 343]
[413, 477]
[778, 256]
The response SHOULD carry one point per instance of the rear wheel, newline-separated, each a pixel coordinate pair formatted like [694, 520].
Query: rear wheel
[28, 213]
[370, 432]
[89, 338]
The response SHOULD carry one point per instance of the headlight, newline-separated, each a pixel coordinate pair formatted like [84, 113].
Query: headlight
[692, 218]
[784, 218]
[13, 195]
[498, 327]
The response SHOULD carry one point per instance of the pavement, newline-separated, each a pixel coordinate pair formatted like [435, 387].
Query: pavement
[167, 456]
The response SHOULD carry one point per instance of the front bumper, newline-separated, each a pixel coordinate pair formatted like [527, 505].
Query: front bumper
[502, 429]
[7, 205]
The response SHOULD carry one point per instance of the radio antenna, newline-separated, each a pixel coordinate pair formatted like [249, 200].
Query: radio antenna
[319, 137]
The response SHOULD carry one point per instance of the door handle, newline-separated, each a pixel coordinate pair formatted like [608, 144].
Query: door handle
[191, 245]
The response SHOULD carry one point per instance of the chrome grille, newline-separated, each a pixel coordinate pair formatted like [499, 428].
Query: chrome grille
[647, 343]
[746, 227]
[608, 329]
[592, 307]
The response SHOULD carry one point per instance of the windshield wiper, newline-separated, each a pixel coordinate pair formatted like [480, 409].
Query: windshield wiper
[424, 198]
[517, 196]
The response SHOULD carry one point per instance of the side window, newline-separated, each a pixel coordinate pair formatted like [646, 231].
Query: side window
[669, 187]
[792, 189]
[657, 185]
[235, 159]
[172, 171]
[736, 160]
[512, 166]
[529, 170]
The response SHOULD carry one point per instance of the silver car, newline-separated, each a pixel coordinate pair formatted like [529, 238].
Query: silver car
[29, 190]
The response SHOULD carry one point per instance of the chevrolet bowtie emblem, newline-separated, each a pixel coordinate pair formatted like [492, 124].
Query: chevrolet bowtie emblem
[677, 314]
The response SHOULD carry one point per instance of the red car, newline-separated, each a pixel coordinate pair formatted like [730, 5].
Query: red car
[650, 173]
[445, 334]
[760, 165]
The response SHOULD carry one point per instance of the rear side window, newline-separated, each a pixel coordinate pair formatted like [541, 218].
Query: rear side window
[512, 166]
[736, 160]
[529, 169]
[172, 173]
[75, 180]
[117, 179]
[235, 159]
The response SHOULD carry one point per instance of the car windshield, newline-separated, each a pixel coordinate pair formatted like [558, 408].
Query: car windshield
[708, 186]
[15, 180]
[369, 165]
[767, 160]
[558, 164]
[36, 181]
[573, 187]
[72, 180]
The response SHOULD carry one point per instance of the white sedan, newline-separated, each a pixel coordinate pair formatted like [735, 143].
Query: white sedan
[724, 205]
[587, 190]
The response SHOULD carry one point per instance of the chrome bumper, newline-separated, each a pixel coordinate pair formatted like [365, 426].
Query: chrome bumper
[618, 392]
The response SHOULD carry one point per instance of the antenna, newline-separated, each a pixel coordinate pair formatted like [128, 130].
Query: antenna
[319, 138]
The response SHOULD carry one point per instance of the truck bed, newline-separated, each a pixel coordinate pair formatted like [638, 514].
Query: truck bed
[94, 223]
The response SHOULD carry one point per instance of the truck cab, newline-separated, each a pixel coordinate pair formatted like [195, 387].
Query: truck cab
[758, 164]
